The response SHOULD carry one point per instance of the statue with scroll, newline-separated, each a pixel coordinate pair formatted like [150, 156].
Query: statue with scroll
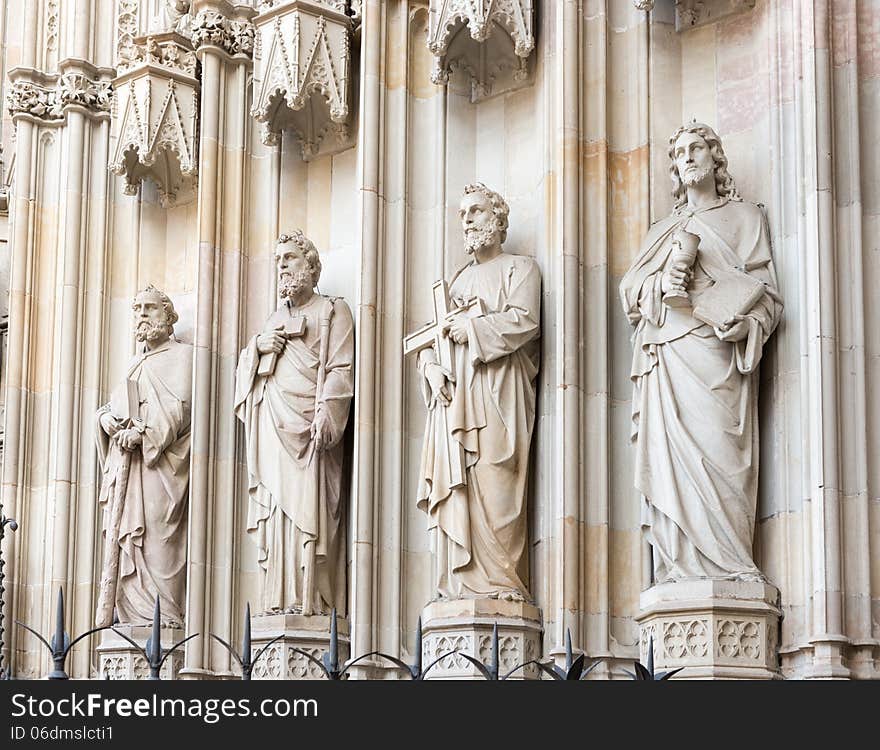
[143, 436]
[703, 297]
[293, 389]
[478, 363]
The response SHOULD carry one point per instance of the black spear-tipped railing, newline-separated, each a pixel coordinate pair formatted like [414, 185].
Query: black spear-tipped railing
[244, 659]
[153, 651]
[414, 670]
[61, 644]
[647, 673]
[574, 668]
[13, 526]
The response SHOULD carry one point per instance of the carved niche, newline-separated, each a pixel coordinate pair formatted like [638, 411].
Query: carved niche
[155, 116]
[490, 40]
[302, 73]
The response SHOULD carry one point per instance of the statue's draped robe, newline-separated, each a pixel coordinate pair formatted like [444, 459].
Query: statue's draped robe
[293, 500]
[152, 533]
[695, 400]
[481, 528]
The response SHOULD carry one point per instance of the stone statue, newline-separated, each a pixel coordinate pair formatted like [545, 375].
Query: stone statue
[173, 15]
[143, 436]
[478, 362]
[293, 390]
[703, 297]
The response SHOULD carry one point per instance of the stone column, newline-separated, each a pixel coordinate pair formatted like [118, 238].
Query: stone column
[223, 37]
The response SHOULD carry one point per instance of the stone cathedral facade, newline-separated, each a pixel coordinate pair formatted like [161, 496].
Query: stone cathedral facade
[163, 152]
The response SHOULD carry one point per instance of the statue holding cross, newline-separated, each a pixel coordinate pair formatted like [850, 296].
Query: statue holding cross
[478, 360]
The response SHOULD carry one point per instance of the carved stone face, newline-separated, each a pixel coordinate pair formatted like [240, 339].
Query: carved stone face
[150, 318]
[294, 272]
[693, 159]
[478, 221]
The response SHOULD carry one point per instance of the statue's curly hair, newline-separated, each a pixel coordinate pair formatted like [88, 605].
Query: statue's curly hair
[499, 206]
[308, 249]
[724, 183]
[171, 315]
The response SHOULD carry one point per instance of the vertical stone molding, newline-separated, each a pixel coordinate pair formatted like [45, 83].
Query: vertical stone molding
[302, 74]
[490, 40]
[155, 116]
[714, 629]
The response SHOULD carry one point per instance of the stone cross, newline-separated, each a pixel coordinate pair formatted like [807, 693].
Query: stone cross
[434, 335]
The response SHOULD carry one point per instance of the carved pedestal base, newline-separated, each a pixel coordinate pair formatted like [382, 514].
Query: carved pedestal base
[465, 626]
[311, 634]
[119, 660]
[715, 629]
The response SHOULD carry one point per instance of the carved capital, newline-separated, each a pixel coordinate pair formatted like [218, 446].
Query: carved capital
[93, 94]
[646, 5]
[234, 35]
[27, 97]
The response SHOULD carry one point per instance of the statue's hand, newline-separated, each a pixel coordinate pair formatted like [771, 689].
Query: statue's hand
[128, 439]
[736, 331]
[110, 424]
[438, 378]
[321, 431]
[271, 342]
[677, 276]
[456, 328]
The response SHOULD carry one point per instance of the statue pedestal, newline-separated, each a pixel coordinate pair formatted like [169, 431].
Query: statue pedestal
[466, 625]
[715, 629]
[311, 634]
[119, 660]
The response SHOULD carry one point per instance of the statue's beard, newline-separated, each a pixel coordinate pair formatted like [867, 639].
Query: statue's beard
[695, 175]
[476, 238]
[148, 330]
[295, 283]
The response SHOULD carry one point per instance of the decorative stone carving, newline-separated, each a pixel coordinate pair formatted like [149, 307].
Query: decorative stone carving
[45, 96]
[235, 36]
[454, 627]
[126, 26]
[478, 361]
[51, 25]
[76, 88]
[646, 5]
[703, 297]
[491, 40]
[720, 629]
[692, 13]
[143, 442]
[302, 74]
[294, 385]
[119, 660]
[27, 97]
[155, 116]
[309, 634]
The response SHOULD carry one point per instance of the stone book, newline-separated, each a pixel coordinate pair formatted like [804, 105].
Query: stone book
[731, 295]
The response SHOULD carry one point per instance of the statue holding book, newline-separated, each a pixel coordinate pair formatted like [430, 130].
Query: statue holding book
[293, 390]
[703, 297]
[143, 440]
